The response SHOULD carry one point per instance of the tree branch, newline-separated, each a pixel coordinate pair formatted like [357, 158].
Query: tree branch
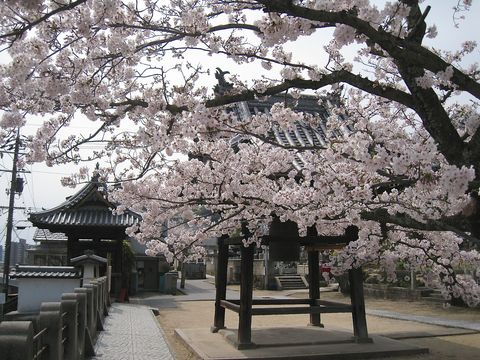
[451, 224]
[19, 32]
[327, 79]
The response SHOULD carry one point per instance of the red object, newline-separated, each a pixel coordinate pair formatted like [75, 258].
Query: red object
[122, 295]
[325, 268]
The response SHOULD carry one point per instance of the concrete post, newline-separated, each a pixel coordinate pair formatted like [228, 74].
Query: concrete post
[94, 289]
[101, 283]
[96, 301]
[16, 340]
[50, 317]
[91, 322]
[99, 306]
[71, 320]
[106, 302]
[81, 299]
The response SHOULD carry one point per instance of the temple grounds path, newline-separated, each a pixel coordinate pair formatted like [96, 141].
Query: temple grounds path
[445, 343]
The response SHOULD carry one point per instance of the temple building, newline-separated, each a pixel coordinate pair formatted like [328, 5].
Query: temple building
[86, 223]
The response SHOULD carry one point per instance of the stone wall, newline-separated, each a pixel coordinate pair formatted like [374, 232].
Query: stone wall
[65, 329]
[392, 292]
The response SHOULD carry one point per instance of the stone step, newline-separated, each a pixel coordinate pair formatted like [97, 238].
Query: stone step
[291, 282]
[434, 300]
[434, 296]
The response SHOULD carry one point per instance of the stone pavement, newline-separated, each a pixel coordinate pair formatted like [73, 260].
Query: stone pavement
[197, 290]
[300, 343]
[205, 290]
[469, 325]
[131, 333]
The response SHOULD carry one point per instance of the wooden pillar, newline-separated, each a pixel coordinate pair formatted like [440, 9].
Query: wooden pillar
[71, 245]
[358, 306]
[119, 256]
[246, 293]
[314, 287]
[220, 284]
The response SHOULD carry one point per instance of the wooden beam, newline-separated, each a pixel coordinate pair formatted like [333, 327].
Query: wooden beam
[358, 306]
[220, 284]
[287, 310]
[276, 301]
[350, 234]
[246, 293]
[281, 301]
[234, 240]
[230, 305]
[331, 303]
[323, 247]
[314, 285]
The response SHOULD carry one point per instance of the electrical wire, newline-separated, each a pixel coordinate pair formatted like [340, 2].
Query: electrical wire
[31, 189]
[49, 172]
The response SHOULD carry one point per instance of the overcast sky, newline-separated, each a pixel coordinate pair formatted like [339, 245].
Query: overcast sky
[42, 184]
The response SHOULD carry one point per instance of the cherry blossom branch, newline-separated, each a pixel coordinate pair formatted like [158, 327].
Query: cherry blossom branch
[18, 33]
[400, 49]
[405, 221]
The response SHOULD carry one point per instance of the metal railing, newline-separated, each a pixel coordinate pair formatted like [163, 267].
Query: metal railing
[64, 329]
[40, 349]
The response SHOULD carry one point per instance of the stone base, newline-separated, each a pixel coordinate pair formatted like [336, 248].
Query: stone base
[291, 343]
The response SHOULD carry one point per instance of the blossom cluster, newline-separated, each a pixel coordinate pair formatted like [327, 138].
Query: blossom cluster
[399, 156]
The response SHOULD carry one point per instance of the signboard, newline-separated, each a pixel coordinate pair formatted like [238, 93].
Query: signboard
[2, 298]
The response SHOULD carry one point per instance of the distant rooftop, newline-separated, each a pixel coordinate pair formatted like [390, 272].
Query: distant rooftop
[300, 134]
[45, 234]
[88, 257]
[52, 272]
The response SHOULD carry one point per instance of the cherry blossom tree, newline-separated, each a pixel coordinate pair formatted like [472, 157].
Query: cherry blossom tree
[405, 171]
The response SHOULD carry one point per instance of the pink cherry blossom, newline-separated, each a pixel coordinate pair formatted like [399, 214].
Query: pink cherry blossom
[396, 147]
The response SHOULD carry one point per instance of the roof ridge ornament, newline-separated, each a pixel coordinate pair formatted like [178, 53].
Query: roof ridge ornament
[96, 173]
[223, 85]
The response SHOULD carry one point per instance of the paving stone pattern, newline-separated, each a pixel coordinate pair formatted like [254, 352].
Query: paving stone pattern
[131, 333]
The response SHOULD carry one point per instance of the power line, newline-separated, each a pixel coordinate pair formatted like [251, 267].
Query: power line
[65, 127]
[49, 172]
[30, 190]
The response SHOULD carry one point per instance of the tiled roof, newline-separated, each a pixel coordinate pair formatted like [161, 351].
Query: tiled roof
[88, 257]
[45, 234]
[52, 272]
[88, 207]
[300, 134]
[86, 217]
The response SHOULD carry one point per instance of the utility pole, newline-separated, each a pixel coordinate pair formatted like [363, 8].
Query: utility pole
[11, 205]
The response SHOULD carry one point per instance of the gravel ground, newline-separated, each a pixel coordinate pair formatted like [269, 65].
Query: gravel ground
[444, 343]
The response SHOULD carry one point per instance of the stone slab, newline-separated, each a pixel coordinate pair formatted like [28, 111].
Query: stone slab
[292, 343]
[131, 333]
[440, 331]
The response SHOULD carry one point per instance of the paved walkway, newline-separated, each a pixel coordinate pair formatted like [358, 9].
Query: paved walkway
[131, 333]
[205, 290]
[462, 324]
[195, 290]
